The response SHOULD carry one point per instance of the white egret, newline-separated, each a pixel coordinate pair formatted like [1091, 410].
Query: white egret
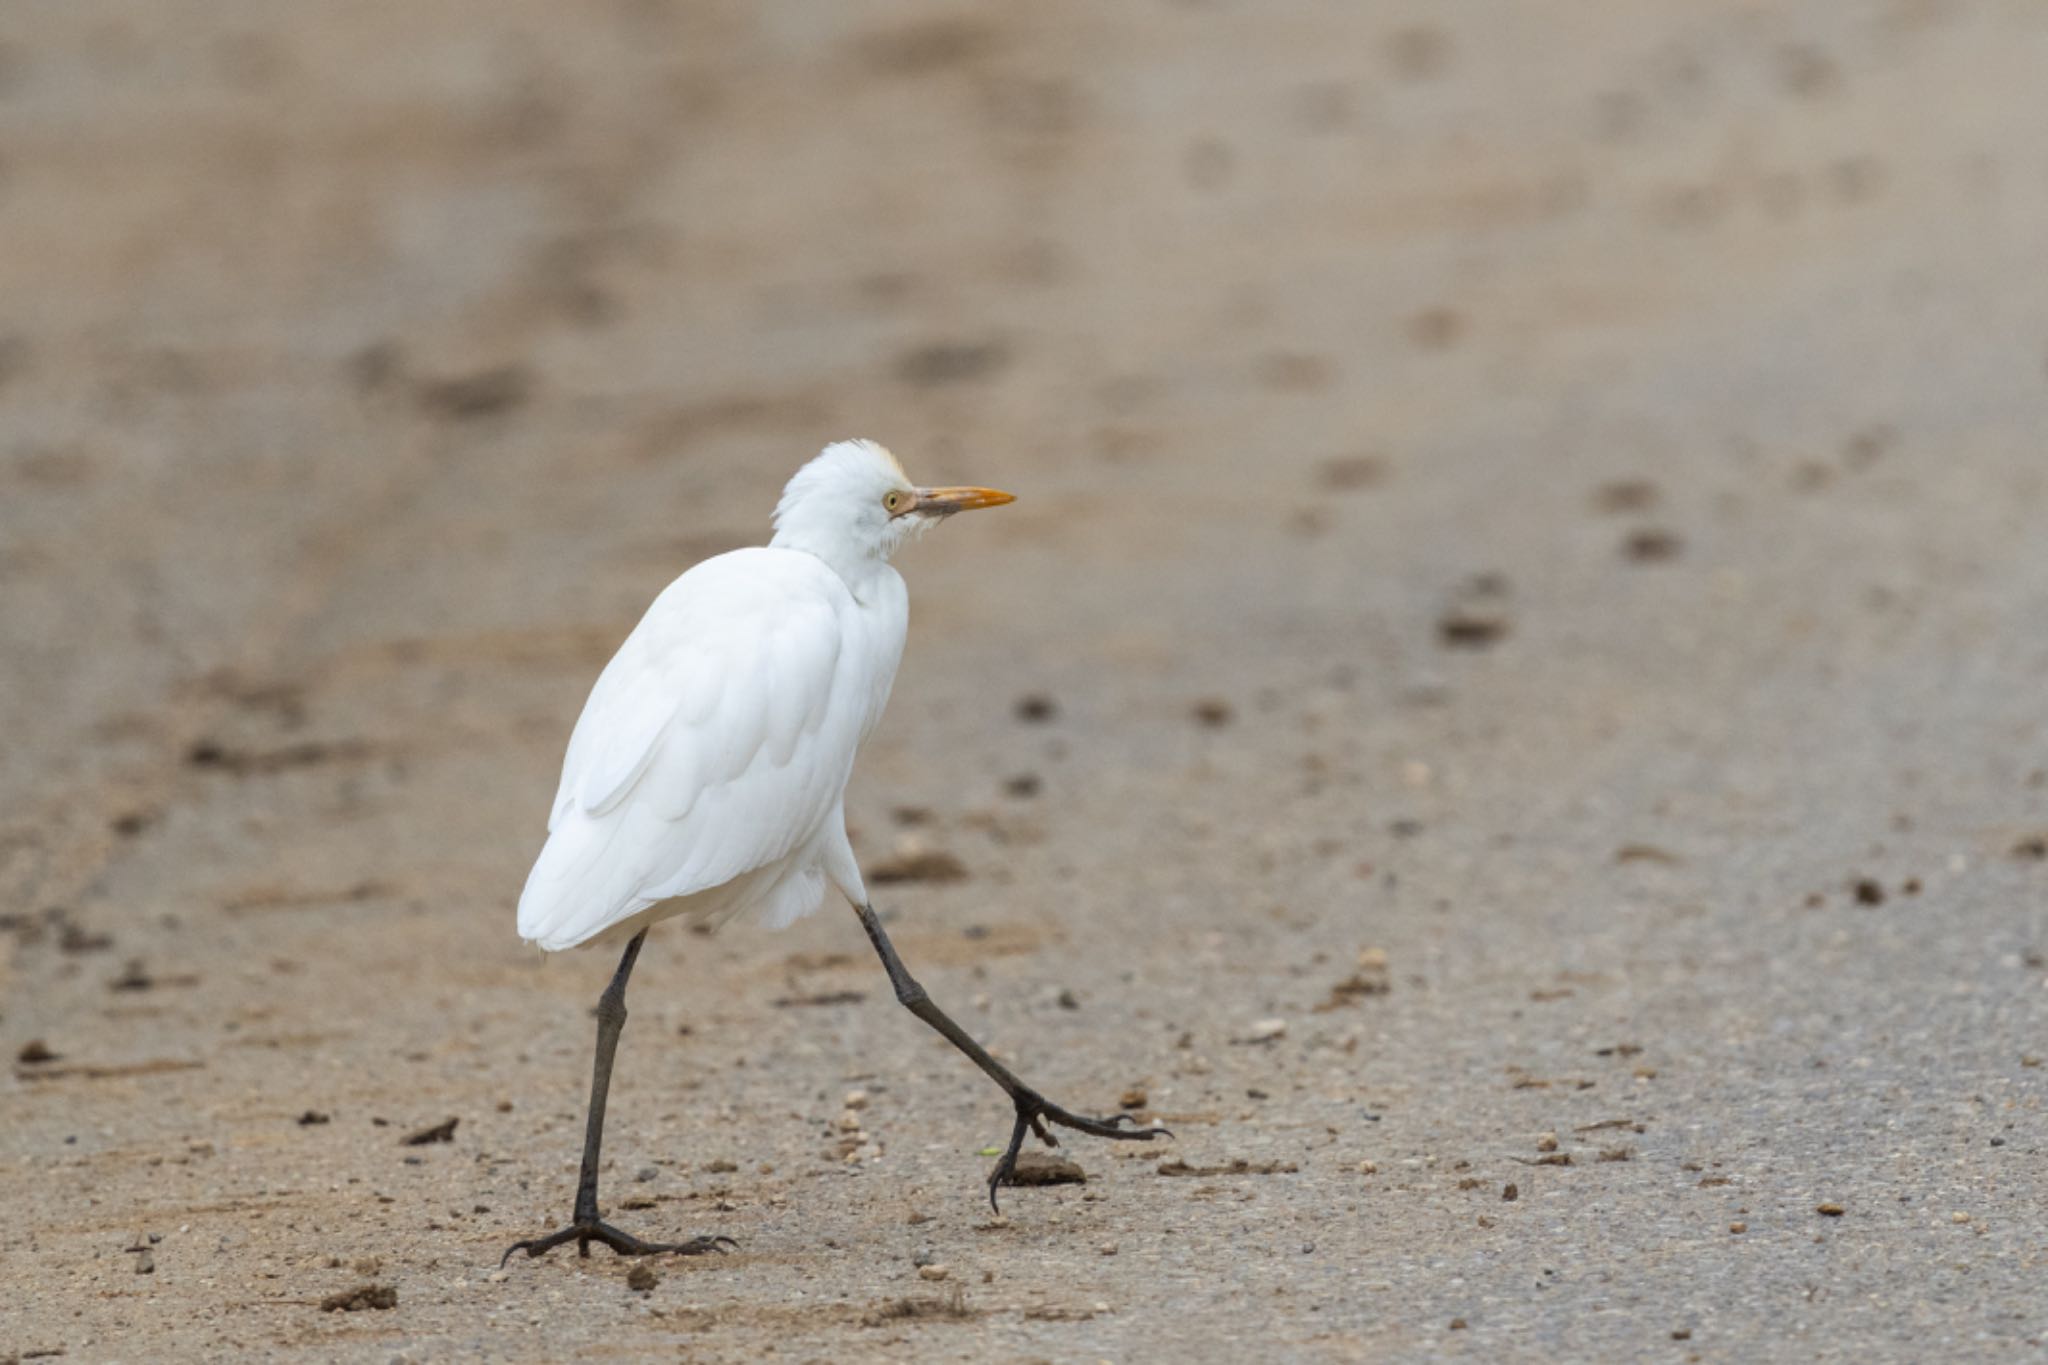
[707, 774]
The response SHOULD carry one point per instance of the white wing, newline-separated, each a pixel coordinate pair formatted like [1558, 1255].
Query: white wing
[716, 742]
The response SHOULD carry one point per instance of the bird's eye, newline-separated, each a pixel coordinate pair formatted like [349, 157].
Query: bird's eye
[895, 500]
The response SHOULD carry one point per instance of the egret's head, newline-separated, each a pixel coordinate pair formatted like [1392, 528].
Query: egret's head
[854, 502]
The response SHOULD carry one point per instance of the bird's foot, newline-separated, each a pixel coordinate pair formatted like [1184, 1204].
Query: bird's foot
[584, 1231]
[1035, 1111]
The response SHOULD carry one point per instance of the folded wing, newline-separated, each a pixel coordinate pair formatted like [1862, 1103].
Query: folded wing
[715, 743]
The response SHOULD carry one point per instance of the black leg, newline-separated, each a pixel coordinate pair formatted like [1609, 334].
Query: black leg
[1034, 1111]
[587, 1227]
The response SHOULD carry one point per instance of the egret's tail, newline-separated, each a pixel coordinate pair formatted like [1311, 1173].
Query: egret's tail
[576, 891]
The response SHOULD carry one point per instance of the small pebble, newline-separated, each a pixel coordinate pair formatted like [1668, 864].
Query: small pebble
[641, 1279]
[1738, 1227]
[1547, 1142]
[933, 1272]
[1265, 1030]
[1107, 1248]
[1829, 1210]
[1368, 1168]
[856, 1099]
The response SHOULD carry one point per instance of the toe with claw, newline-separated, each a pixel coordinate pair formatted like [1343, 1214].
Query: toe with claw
[1034, 1112]
[583, 1233]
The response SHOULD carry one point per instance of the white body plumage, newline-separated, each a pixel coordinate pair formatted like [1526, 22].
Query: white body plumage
[706, 776]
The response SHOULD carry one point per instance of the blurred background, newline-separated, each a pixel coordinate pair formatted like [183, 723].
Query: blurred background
[1521, 626]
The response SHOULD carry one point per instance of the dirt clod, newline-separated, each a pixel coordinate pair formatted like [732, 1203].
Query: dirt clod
[1651, 545]
[1471, 627]
[1633, 1125]
[1042, 1168]
[1436, 329]
[1346, 472]
[378, 1296]
[951, 362]
[443, 1131]
[1235, 1166]
[918, 865]
[952, 1308]
[819, 998]
[482, 394]
[76, 939]
[1625, 495]
[1358, 986]
[134, 977]
[641, 1279]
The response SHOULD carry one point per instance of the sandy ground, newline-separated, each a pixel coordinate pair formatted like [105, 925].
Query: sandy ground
[1529, 572]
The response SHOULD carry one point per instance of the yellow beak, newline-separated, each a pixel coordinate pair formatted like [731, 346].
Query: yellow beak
[944, 502]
